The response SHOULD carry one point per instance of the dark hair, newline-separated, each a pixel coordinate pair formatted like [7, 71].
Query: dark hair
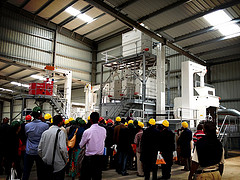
[123, 120]
[57, 119]
[200, 127]
[209, 128]
[94, 117]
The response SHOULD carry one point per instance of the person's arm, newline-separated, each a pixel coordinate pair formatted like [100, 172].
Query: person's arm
[40, 145]
[83, 140]
[194, 168]
[62, 144]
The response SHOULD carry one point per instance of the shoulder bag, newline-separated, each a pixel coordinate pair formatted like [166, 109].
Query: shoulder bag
[71, 143]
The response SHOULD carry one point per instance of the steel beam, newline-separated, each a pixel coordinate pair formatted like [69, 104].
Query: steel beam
[43, 7]
[61, 10]
[5, 99]
[96, 29]
[20, 70]
[94, 19]
[224, 58]
[198, 15]
[114, 35]
[206, 42]
[199, 32]
[125, 4]
[6, 78]
[24, 4]
[223, 62]
[131, 23]
[4, 67]
[162, 10]
[218, 50]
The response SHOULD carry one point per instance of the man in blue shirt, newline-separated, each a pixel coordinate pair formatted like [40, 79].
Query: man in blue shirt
[34, 132]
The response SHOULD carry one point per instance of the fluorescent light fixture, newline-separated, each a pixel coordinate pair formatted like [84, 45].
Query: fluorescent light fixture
[222, 22]
[72, 11]
[38, 77]
[8, 90]
[217, 17]
[85, 18]
[19, 84]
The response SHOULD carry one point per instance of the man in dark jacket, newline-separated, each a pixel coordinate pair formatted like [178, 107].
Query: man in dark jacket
[208, 156]
[185, 146]
[166, 147]
[150, 147]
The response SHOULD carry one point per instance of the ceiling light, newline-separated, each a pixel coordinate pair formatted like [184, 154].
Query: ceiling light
[72, 11]
[217, 17]
[8, 90]
[38, 77]
[19, 84]
[85, 18]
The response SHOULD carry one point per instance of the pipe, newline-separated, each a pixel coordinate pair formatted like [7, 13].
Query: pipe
[232, 112]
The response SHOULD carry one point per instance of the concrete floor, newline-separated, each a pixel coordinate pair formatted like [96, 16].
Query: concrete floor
[231, 171]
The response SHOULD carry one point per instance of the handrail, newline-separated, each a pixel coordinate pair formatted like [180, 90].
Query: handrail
[223, 133]
[223, 123]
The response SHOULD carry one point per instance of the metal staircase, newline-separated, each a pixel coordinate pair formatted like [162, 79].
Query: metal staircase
[59, 104]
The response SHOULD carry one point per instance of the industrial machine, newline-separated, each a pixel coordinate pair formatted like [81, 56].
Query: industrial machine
[198, 102]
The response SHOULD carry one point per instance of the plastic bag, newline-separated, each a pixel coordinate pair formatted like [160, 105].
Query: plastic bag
[114, 147]
[174, 155]
[160, 159]
[13, 175]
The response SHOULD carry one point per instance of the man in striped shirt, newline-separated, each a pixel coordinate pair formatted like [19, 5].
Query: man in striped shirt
[199, 134]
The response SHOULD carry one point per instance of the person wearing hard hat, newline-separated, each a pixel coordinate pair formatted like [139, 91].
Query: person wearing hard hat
[33, 131]
[28, 118]
[47, 118]
[137, 141]
[117, 122]
[166, 147]
[150, 147]
[185, 146]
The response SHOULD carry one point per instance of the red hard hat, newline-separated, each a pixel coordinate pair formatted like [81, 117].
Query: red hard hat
[109, 121]
[100, 119]
[28, 118]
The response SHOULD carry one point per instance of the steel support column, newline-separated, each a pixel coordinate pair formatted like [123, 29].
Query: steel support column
[11, 110]
[23, 107]
[160, 80]
[101, 88]
[94, 65]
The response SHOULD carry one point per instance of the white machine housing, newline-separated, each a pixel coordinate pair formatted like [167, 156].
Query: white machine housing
[190, 107]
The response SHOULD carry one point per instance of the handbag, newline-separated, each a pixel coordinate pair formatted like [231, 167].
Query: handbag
[13, 174]
[160, 159]
[50, 168]
[71, 143]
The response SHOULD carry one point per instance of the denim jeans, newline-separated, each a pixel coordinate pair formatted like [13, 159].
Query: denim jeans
[122, 161]
[28, 163]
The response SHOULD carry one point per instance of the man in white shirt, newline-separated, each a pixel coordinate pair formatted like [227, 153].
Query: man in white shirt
[46, 149]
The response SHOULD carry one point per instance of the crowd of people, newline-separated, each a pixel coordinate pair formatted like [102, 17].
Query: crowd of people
[83, 149]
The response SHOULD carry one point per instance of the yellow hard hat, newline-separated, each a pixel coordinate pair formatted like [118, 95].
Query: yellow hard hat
[118, 119]
[185, 124]
[85, 121]
[51, 120]
[70, 119]
[152, 121]
[140, 124]
[165, 123]
[88, 118]
[125, 124]
[47, 116]
[130, 121]
[66, 121]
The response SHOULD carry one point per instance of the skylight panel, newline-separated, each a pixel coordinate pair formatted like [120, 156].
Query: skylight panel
[222, 22]
[72, 11]
[230, 29]
[217, 17]
[85, 18]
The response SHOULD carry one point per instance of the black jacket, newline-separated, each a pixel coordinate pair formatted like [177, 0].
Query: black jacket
[150, 146]
[184, 142]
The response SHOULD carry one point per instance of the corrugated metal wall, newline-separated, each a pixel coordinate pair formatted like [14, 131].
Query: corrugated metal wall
[23, 40]
[226, 79]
